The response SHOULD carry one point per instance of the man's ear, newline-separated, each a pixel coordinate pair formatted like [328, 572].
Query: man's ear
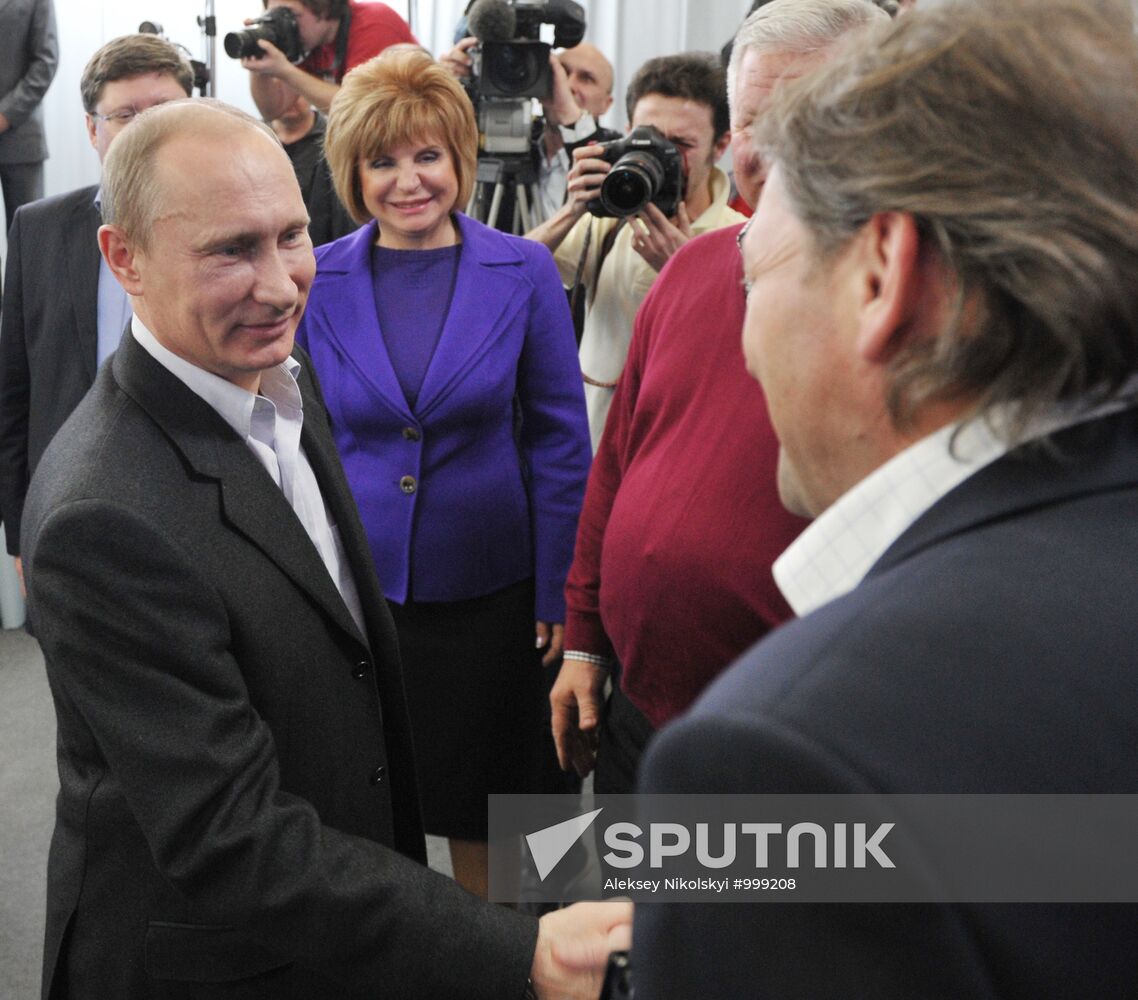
[89, 119]
[889, 284]
[120, 254]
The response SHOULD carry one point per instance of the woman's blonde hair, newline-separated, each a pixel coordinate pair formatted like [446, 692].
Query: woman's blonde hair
[398, 97]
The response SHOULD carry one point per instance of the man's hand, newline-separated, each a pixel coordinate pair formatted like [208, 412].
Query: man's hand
[585, 177]
[458, 59]
[272, 63]
[576, 707]
[573, 946]
[561, 107]
[553, 637]
[655, 238]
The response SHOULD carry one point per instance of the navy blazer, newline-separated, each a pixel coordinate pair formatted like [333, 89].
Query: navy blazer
[991, 649]
[480, 486]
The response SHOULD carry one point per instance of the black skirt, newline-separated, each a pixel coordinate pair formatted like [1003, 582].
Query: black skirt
[478, 700]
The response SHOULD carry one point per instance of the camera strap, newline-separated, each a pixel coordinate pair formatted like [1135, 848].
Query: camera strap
[342, 45]
[606, 248]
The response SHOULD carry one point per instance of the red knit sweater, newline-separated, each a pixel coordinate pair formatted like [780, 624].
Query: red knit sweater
[681, 521]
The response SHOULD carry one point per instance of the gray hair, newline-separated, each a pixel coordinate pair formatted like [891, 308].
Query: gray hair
[1009, 133]
[799, 27]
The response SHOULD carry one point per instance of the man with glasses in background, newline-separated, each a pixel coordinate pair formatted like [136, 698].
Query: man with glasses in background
[63, 311]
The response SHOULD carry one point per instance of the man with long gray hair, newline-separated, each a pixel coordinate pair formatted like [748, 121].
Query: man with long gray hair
[682, 595]
[941, 311]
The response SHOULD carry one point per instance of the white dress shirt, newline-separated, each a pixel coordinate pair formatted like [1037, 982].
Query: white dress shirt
[270, 424]
[833, 555]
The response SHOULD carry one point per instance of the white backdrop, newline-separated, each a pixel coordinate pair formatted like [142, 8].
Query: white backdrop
[628, 31]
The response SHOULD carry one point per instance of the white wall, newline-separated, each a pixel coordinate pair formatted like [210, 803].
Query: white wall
[628, 31]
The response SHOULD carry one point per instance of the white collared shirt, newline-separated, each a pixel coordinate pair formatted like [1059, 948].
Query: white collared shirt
[270, 424]
[833, 555]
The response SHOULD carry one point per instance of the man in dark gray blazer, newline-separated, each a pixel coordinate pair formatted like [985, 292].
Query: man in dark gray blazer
[28, 58]
[942, 314]
[63, 312]
[238, 813]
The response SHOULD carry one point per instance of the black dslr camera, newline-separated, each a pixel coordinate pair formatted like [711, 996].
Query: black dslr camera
[276, 25]
[646, 167]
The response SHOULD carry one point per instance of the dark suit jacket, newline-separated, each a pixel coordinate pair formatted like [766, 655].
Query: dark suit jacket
[992, 649]
[238, 813]
[48, 335]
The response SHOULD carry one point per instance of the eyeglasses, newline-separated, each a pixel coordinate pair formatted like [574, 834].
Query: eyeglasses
[122, 117]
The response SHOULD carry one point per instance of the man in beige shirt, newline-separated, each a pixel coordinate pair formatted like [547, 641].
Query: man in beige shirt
[616, 261]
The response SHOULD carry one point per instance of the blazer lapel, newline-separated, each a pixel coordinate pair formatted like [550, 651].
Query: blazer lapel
[83, 276]
[487, 295]
[346, 312]
[251, 503]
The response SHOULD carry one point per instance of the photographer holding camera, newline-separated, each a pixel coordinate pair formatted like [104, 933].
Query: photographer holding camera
[616, 257]
[329, 37]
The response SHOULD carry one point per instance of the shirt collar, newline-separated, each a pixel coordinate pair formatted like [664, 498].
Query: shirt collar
[232, 403]
[834, 554]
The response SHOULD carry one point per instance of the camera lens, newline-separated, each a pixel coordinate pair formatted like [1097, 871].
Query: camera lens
[239, 43]
[633, 181]
[513, 68]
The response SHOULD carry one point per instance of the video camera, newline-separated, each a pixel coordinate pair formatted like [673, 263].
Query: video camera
[646, 167]
[511, 66]
[276, 25]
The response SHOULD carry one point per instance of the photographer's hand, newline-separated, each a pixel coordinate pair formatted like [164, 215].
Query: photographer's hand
[272, 63]
[276, 83]
[584, 183]
[655, 238]
[458, 59]
[561, 107]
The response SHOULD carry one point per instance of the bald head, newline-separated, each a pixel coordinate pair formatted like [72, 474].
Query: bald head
[131, 185]
[590, 77]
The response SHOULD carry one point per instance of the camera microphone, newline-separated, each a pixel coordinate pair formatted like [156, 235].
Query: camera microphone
[492, 21]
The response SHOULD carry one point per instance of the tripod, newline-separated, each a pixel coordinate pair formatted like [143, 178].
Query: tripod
[505, 182]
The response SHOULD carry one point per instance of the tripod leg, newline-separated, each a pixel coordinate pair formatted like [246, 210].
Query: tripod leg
[495, 205]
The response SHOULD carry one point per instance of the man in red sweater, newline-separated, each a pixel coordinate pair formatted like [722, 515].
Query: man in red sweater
[671, 577]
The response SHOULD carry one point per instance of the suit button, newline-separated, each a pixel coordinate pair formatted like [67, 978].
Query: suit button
[359, 671]
[407, 484]
[411, 433]
[377, 774]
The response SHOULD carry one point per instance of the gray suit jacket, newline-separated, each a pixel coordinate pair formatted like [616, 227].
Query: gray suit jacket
[238, 814]
[48, 335]
[990, 650]
[28, 57]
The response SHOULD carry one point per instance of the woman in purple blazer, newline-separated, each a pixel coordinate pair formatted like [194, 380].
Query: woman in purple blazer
[446, 353]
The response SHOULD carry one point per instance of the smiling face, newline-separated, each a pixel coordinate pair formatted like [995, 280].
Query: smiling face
[410, 191]
[229, 263]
